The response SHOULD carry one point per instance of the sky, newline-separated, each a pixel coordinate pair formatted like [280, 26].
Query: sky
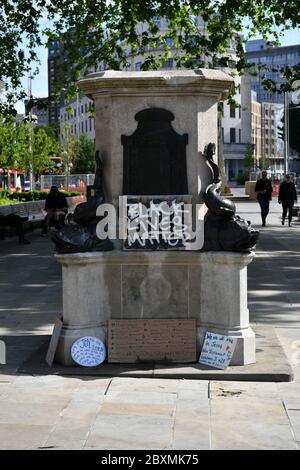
[40, 82]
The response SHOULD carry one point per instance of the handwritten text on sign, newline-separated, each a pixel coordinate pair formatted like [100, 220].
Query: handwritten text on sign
[217, 350]
[88, 351]
[131, 341]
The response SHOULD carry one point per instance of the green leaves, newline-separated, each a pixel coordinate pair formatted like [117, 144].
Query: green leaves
[81, 152]
[15, 146]
[105, 32]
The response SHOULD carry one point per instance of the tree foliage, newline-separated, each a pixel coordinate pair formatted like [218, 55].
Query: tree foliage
[249, 158]
[21, 144]
[82, 154]
[94, 31]
[264, 163]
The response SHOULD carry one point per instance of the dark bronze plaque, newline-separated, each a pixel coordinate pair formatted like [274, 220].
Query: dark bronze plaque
[154, 156]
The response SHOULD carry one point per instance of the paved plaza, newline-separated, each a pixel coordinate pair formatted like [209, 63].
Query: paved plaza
[56, 412]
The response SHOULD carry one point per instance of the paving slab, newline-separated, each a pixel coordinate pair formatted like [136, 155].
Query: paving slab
[251, 436]
[22, 436]
[243, 389]
[192, 421]
[261, 410]
[130, 432]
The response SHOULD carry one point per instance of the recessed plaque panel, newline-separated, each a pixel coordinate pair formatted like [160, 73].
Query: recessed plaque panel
[154, 156]
[132, 341]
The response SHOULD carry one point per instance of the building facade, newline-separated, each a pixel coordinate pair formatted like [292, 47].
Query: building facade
[76, 117]
[259, 53]
[55, 58]
[272, 144]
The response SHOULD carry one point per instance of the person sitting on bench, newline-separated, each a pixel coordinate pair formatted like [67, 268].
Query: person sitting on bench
[13, 220]
[56, 207]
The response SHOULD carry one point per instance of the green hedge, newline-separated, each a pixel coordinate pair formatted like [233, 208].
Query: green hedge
[29, 196]
[4, 201]
[242, 177]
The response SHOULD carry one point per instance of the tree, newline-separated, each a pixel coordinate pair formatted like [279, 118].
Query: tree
[15, 148]
[248, 158]
[264, 163]
[43, 147]
[11, 146]
[105, 31]
[83, 155]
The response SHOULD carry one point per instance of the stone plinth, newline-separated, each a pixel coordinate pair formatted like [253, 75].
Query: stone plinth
[209, 287]
[191, 95]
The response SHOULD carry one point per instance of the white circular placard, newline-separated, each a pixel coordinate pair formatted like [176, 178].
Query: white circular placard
[88, 351]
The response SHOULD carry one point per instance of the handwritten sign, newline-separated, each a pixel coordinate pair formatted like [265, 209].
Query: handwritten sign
[217, 350]
[88, 351]
[131, 341]
[54, 341]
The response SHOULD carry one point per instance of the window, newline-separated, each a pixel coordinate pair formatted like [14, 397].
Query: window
[82, 129]
[232, 135]
[240, 135]
[157, 21]
[232, 111]
[90, 121]
[86, 126]
[138, 66]
[86, 107]
[168, 64]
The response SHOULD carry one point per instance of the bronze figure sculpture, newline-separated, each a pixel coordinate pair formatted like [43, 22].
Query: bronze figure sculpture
[80, 235]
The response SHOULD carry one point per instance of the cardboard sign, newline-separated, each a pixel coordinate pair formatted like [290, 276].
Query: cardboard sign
[88, 351]
[217, 350]
[54, 341]
[131, 341]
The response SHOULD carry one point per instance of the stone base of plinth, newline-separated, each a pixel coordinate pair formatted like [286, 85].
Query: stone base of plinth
[209, 287]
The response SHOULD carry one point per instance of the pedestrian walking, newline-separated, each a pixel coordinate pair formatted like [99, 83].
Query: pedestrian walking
[287, 197]
[263, 189]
